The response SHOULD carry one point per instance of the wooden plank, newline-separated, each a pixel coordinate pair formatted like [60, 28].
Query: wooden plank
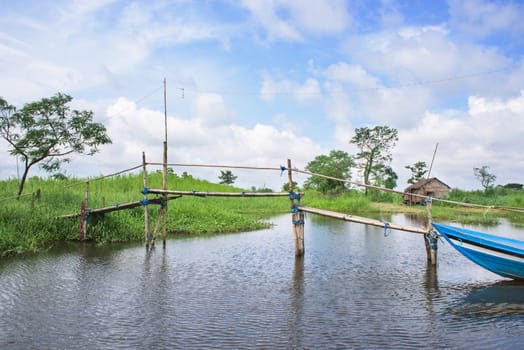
[361, 220]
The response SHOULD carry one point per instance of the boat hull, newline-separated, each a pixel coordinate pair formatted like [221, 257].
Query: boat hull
[501, 255]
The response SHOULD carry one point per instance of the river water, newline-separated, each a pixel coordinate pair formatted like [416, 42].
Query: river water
[354, 288]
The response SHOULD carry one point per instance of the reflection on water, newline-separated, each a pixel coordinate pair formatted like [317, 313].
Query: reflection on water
[506, 297]
[354, 288]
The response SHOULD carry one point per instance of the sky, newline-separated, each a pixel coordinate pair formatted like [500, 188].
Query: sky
[257, 82]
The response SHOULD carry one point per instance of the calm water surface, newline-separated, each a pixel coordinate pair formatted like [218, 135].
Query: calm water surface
[353, 289]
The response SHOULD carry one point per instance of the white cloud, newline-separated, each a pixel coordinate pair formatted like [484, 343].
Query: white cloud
[309, 91]
[136, 130]
[489, 133]
[291, 20]
[483, 18]
[351, 73]
[211, 110]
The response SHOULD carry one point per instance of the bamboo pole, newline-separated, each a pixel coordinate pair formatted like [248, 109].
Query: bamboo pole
[146, 213]
[83, 219]
[361, 220]
[431, 241]
[163, 209]
[218, 194]
[117, 207]
[297, 216]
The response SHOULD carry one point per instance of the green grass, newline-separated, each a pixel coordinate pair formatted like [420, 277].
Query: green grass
[31, 224]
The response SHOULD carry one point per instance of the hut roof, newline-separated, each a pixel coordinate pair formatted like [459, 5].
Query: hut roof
[423, 183]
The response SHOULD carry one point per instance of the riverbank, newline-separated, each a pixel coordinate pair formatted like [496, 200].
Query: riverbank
[32, 223]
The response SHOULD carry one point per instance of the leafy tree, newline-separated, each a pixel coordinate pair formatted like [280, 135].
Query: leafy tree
[418, 171]
[227, 177]
[375, 146]
[337, 164]
[484, 176]
[47, 132]
[389, 177]
[514, 186]
[285, 187]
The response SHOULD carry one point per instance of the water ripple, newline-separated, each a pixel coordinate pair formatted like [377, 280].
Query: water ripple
[353, 289]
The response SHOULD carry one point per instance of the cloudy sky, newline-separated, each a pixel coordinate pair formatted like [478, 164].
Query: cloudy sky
[255, 82]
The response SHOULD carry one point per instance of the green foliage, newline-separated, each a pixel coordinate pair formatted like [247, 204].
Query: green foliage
[336, 165]
[227, 177]
[285, 187]
[349, 201]
[514, 186]
[486, 179]
[375, 146]
[46, 132]
[418, 171]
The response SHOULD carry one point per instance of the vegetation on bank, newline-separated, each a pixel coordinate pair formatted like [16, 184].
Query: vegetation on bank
[31, 223]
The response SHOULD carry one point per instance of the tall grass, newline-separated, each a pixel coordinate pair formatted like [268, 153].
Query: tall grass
[31, 223]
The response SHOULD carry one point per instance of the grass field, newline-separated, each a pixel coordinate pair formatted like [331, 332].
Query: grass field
[32, 223]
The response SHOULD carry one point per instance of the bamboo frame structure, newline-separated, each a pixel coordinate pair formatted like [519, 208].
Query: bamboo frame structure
[297, 210]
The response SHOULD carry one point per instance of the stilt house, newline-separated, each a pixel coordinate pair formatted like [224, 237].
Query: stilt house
[432, 187]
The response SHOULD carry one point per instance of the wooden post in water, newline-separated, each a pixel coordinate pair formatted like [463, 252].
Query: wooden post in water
[163, 210]
[297, 216]
[164, 203]
[145, 200]
[84, 213]
[430, 239]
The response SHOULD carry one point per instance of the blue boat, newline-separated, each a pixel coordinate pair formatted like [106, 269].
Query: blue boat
[501, 255]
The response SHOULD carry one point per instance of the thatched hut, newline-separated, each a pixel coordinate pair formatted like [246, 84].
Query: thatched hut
[428, 188]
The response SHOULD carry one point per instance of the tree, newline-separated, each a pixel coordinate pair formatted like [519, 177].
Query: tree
[485, 177]
[418, 171]
[47, 132]
[389, 177]
[285, 187]
[337, 164]
[227, 177]
[375, 146]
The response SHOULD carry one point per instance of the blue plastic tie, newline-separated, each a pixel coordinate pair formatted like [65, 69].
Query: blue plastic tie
[294, 195]
[298, 222]
[282, 169]
[145, 190]
[144, 202]
[386, 227]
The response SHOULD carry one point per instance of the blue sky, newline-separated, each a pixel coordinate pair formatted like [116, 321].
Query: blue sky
[257, 82]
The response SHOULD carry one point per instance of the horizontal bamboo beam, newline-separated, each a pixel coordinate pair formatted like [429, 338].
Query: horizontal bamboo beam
[119, 207]
[246, 167]
[218, 194]
[361, 220]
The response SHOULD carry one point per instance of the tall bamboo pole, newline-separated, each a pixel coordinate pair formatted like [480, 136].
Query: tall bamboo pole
[297, 216]
[164, 172]
[144, 204]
